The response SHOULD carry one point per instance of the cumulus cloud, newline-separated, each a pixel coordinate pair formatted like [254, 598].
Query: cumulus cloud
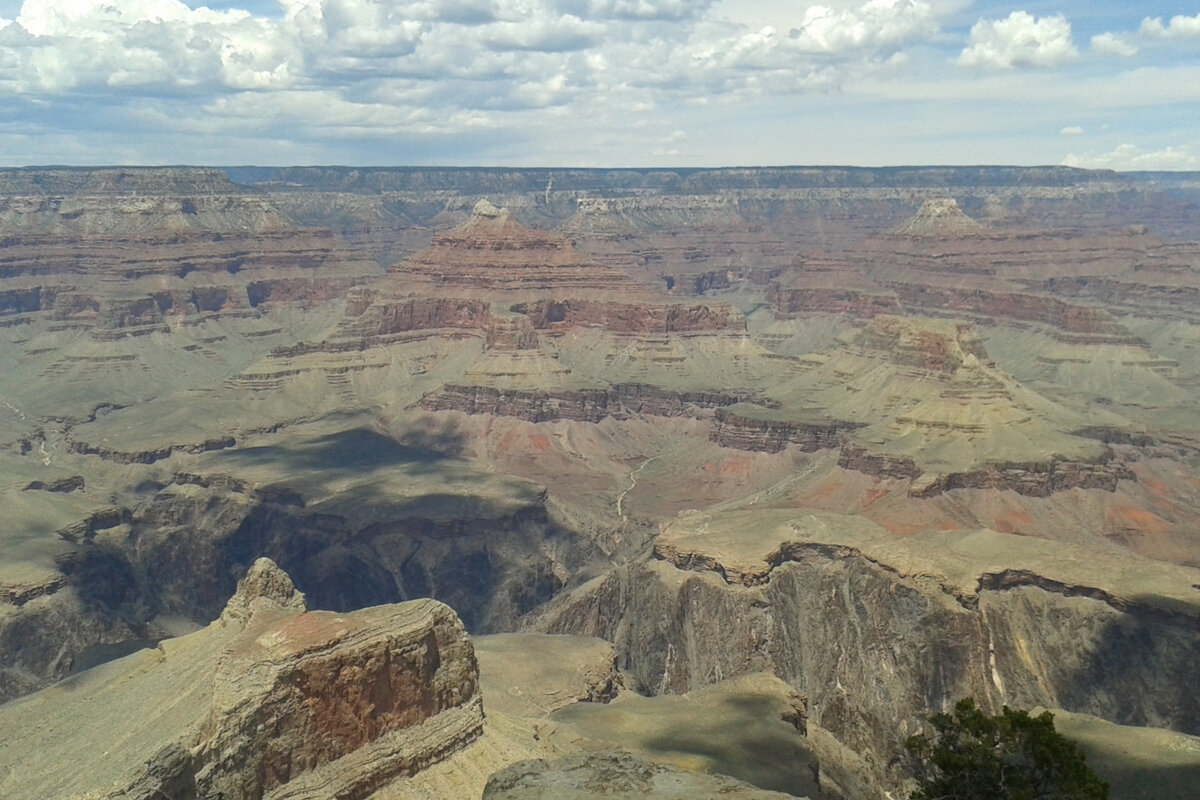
[1179, 27]
[875, 23]
[1019, 40]
[55, 46]
[1072, 130]
[550, 35]
[1111, 44]
[383, 69]
[637, 9]
[1128, 157]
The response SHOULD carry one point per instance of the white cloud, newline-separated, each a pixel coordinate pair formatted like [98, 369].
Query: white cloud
[638, 9]
[1111, 44]
[1020, 40]
[874, 23]
[1072, 130]
[135, 47]
[385, 73]
[549, 34]
[1128, 157]
[59, 45]
[1179, 27]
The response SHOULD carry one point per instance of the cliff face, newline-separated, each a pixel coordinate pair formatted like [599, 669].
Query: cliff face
[114, 249]
[923, 387]
[622, 401]
[486, 546]
[872, 630]
[269, 701]
[770, 436]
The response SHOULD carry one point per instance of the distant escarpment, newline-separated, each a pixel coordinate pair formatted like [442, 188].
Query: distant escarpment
[493, 252]
[117, 249]
[941, 262]
[794, 299]
[1036, 479]
[1165, 293]
[270, 701]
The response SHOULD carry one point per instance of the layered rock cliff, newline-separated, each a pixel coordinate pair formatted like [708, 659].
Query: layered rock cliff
[120, 249]
[270, 701]
[873, 628]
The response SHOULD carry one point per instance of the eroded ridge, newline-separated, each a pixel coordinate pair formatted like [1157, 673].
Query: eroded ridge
[268, 701]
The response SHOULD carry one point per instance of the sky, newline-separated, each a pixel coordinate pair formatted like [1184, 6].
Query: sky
[600, 83]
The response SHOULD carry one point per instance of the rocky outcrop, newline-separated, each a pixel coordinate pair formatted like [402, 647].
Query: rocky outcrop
[878, 464]
[270, 701]
[1163, 294]
[621, 401]
[634, 318]
[928, 347]
[369, 315]
[740, 429]
[581, 406]
[1035, 480]
[1068, 317]
[149, 456]
[794, 299]
[493, 252]
[875, 630]
[535, 273]
[294, 700]
[940, 217]
[70, 484]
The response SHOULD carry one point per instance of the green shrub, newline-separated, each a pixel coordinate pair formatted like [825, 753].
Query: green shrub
[1009, 756]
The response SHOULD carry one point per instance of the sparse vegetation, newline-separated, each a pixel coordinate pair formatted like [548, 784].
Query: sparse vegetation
[1009, 756]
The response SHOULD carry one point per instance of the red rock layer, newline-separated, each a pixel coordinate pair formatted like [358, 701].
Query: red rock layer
[771, 436]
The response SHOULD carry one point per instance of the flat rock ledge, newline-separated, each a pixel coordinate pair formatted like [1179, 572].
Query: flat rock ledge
[614, 776]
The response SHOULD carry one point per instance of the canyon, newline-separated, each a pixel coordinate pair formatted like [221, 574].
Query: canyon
[838, 445]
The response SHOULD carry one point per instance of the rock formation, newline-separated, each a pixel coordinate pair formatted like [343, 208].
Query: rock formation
[269, 701]
[872, 627]
[939, 217]
[925, 404]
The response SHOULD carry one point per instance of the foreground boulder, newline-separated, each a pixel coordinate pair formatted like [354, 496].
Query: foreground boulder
[270, 701]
